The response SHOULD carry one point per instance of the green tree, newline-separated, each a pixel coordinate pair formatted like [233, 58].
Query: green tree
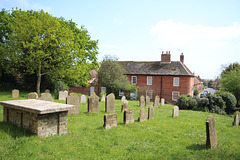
[112, 75]
[230, 67]
[38, 43]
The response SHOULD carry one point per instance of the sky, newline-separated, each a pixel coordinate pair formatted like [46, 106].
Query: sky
[207, 32]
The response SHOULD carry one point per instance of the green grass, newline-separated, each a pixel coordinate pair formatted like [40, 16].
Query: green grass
[163, 137]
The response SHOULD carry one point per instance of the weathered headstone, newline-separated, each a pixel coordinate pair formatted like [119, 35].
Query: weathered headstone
[150, 112]
[142, 115]
[110, 103]
[15, 93]
[46, 97]
[162, 101]
[93, 104]
[110, 120]
[72, 93]
[62, 95]
[236, 119]
[47, 91]
[211, 131]
[73, 99]
[123, 98]
[141, 101]
[83, 98]
[175, 112]
[128, 116]
[147, 101]
[125, 105]
[92, 93]
[103, 98]
[156, 103]
[33, 95]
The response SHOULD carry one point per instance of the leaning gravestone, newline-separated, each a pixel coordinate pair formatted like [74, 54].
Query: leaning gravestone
[147, 101]
[123, 98]
[125, 105]
[15, 93]
[83, 98]
[47, 91]
[236, 119]
[93, 104]
[156, 102]
[162, 101]
[62, 95]
[110, 120]
[175, 112]
[141, 101]
[142, 115]
[151, 112]
[73, 99]
[46, 97]
[211, 131]
[128, 116]
[33, 95]
[110, 103]
[103, 98]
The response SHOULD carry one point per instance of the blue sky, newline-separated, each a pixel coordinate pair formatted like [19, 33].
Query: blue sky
[206, 31]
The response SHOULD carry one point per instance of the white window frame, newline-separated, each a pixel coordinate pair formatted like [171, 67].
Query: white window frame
[149, 80]
[176, 81]
[149, 93]
[173, 95]
[103, 89]
[92, 89]
[132, 80]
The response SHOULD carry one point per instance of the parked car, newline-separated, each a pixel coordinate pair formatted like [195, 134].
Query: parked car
[202, 95]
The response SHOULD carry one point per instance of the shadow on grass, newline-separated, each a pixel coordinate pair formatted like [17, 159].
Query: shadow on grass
[196, 147]
[14, 131]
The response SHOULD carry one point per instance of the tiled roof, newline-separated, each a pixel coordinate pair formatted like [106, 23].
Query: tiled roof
[156, 68]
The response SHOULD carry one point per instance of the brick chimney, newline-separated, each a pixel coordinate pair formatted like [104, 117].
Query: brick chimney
[166, 57]
[182, 58]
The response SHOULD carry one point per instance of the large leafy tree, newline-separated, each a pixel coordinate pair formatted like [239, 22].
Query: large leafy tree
[34, 42]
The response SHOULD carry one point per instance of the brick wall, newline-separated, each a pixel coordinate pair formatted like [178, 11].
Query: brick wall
[85, 90]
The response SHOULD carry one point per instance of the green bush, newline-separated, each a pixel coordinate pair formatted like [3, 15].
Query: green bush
[230, 101]
[216, 104]
[186, 102]
[195, 92]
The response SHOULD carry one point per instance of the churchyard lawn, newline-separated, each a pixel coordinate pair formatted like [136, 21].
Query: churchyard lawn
[163, 137]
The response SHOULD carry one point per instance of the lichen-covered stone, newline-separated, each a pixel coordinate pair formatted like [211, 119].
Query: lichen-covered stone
[128, 116]
[15, 93]
[46, 97]
[150, 112]
[141, 101]
[142, 115]
[93, 104]
[162, 102]
[124, 105]
[147, 101]
[110, 120]
[236, 119]
[175, 112]
[33, 95]
[62, 95]
[110, 103]
[73, 99]
[156, 102]
[211, 132]
[83, 98]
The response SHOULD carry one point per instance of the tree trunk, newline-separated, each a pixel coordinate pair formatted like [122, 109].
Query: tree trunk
[39, 79]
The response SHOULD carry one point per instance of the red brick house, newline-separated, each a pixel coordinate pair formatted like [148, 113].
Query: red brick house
[198, 84]
[167, 79]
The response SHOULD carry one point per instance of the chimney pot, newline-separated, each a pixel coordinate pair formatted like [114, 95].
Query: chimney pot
[182, 58]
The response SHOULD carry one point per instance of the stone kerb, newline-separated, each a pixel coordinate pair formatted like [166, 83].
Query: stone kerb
[211, 132]
[46, 97]
[125, 105]
[15, 93]
[128, 116]
[110, 103]
[93, 104]
[147, 101]
[141, 101]
[62, 95]
[32, 95]
[175, 112]
[123, 98]
[83, 98]
[110, 120]
[142, 115]
[162, 101]
[151, 112]
[236, 119]
[73, 99]
[156, 102]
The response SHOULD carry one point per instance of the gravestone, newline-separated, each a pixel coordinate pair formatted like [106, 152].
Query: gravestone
[110, 103]
[110, 120]
[33, 95]
[93, 104]
[236, 119]
[46, 97]
[73, 99]
[62, 95]
[103, 98]
[128, 116]
[156, 103]
[15, 93]
[47, 91]
[162, 101]
[83, 98]
[175, 112]
[150, 112]
[142, 115]
[141, 101]
[123, 98]
[72, 93]
[92, 93]
[125, 105]
[148, 101]
[211, 131]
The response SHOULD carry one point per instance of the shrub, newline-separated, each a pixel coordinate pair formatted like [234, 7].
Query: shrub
[195, 92]
[183, 102]
[216, 104]
[230, 101]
